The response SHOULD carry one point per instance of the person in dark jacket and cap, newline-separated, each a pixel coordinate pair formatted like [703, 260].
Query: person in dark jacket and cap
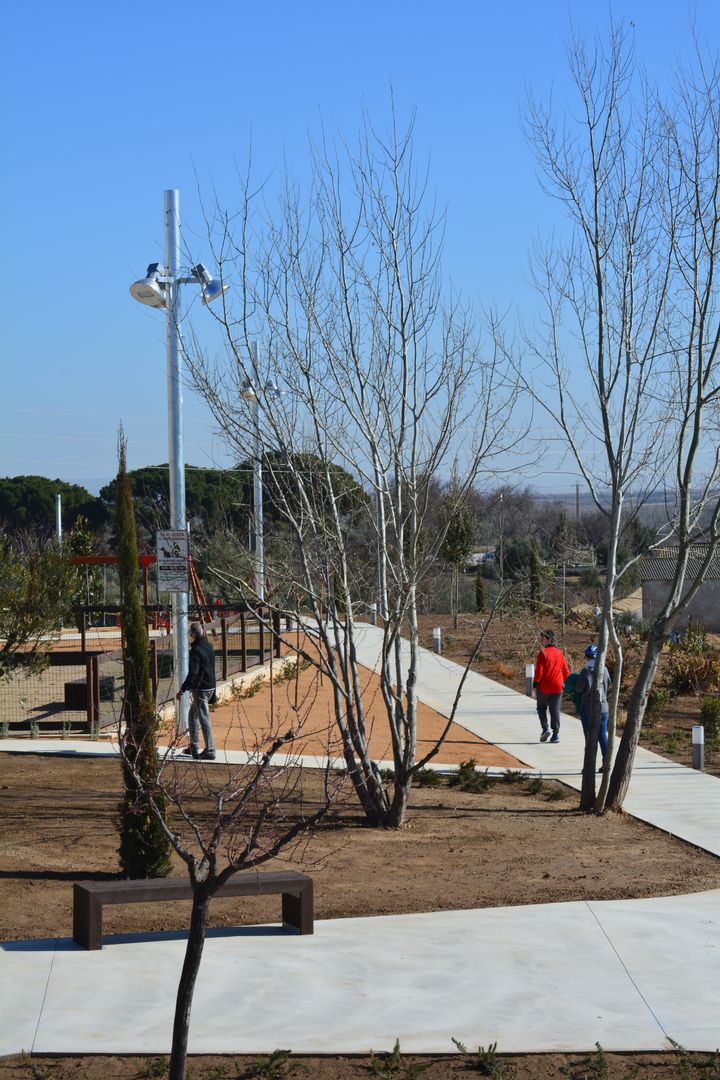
[583, 687]
[200, 683]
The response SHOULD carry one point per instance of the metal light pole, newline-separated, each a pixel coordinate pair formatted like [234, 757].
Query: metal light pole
[176, 458]
[160, 288]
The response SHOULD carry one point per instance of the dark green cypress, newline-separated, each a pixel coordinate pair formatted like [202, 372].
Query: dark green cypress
[145, 850]
[479, 590]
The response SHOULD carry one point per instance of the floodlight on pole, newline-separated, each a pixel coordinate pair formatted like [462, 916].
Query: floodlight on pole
[160, 288]
[212, 287]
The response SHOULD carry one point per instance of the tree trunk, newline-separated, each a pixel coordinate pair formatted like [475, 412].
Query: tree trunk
[186, 987]
[622, 771]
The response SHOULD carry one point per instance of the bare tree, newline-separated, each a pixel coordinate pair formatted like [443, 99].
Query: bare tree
[225, 819]
[630, 349]
[383, 375]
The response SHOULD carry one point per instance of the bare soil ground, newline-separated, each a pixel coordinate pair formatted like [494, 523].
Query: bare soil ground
[458, 850]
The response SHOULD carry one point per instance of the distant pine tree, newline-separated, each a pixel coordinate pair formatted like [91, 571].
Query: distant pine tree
[145, 850]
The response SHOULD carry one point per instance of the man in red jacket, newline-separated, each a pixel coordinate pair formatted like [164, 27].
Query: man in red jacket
[551, 671]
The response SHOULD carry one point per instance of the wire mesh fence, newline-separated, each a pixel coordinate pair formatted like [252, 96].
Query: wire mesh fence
[83, 686]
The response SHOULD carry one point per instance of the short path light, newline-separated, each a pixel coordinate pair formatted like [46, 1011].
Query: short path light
[698, 746]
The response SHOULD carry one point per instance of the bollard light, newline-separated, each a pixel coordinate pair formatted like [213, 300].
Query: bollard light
[698, 746]
[529, 679]
[437, 640]
[372, 610]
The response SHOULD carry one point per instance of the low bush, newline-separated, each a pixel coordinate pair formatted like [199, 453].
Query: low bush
[428, 778]
[467, 778]
[710, 716]
[657, 702]
[693, 673]
[629, 625]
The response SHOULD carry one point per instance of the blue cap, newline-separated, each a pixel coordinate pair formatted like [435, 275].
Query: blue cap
[591, 652]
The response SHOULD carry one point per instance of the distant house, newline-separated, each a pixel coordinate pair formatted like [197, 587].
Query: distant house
[656, 574]
[483, 554]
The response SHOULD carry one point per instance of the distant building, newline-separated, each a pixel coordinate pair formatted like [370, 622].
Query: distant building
[483, 554]
[656, 574]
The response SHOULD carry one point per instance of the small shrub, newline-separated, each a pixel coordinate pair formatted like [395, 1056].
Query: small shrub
[467, 778]
[710, 716]
[392, 1066]
[487, 1062]
[535, 785]
[513, 776]
[388, 775]
[428, 778]
[630, 626]
[657, 702]
[556, 793]
[154, 1067]
[273, 1066]
[691, 673]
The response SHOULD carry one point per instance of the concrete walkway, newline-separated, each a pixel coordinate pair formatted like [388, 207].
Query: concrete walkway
[631, 975]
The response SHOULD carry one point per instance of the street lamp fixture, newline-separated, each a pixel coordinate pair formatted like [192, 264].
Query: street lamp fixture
[160, 288]
[148, 290]
[212, 287]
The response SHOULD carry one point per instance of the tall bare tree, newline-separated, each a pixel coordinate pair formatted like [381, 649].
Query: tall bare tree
[630, 350]
[383, 375]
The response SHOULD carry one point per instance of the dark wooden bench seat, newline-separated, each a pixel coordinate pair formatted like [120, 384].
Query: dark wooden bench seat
[89, 898]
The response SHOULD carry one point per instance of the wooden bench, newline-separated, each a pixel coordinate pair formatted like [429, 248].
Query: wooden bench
[89, 898]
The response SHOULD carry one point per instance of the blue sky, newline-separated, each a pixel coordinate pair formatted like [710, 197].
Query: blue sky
[108, 105]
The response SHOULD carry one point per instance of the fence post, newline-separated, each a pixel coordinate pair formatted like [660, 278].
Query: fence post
[276, 633]
[261, 637]
[92, 687]
[243, 643]
[83, 631]
[95, 662]
[154, 668]
[223, 638]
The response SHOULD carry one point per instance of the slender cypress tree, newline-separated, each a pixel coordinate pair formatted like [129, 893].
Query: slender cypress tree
[534, 576]
[479, 590]
[145, 850]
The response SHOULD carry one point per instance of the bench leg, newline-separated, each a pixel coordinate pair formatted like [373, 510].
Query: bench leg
[298, 909]
[87, 919]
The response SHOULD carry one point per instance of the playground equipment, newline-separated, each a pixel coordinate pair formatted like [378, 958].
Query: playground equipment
[145, 562]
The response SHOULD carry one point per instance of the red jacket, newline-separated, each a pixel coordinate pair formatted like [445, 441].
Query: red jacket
[551, 670]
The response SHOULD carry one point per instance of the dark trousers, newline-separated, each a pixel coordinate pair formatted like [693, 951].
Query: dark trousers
[551, 703]
[602, 736]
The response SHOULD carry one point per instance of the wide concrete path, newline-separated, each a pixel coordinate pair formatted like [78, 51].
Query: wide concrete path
[631, 975]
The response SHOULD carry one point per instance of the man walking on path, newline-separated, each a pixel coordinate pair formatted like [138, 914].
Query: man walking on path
[551, 671]
[201, 684]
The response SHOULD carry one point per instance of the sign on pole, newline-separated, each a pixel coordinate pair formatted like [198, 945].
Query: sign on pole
[173, 560]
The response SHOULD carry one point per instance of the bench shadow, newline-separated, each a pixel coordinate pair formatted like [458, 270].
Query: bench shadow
[68, 945]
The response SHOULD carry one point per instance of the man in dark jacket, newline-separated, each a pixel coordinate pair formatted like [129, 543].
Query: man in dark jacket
[200, 683]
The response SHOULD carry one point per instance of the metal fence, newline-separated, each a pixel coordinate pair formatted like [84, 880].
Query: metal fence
[83, 687]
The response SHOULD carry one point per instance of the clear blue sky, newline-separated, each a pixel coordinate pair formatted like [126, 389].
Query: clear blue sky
[108, 105]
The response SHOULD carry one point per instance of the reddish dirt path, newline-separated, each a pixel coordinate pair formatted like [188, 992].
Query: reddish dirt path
[308, 700]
